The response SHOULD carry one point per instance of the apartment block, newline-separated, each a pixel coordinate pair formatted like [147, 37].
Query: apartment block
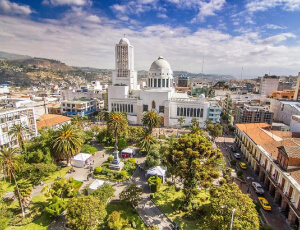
[253, 114]
[81, 107]
[275, 158]
[10, 117]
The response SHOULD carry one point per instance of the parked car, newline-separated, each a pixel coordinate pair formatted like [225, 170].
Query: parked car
[264, 203]
[257, 187]
[243, 165]
[237, 155]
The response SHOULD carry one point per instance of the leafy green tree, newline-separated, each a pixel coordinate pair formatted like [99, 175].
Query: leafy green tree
[10, 163]
[67, 142]
[132, 195]
[25, 190]
[115, 221]
[181, 121]
[193, 159]
[35, 173]
[122, 144]
[134, 133]
[195, 122]
[104, 193]
[116, 123]
[56, 207]
[146, 142]
[214, 130]
[155, 183]
[151, 119]
[63, 188]
[85, 212]
[153, 158]
[19, 132]
[223, 200]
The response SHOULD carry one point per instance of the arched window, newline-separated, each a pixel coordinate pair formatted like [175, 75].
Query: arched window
[153, 105]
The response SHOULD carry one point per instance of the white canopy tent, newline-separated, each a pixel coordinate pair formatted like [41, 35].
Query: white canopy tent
[128, 152]
[159, 171]
[95, 185]
[80, 160]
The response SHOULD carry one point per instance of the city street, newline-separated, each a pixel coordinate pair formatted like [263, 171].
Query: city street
[274, 218]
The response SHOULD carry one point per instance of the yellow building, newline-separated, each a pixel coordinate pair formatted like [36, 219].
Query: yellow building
[285, 94]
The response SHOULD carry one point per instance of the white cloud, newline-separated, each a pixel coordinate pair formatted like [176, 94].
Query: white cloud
[277, 38]
[209, 9]
[92, 44]
[263, 5]
[93, 18]
[274, 27]
[8, 7]
[161, 15]
[67, 2]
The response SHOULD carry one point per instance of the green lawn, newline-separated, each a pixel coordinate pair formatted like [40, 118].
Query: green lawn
[61, 173]
[128, 213]
[41, 223]
[7, 186]
[165, 200]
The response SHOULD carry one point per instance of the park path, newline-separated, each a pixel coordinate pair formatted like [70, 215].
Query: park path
[147, 209]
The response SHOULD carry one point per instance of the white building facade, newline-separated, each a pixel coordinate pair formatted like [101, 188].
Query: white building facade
[11, 117]
[268, 84]
[126, 96]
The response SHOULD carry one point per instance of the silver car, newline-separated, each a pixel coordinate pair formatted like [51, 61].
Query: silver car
[237, 155]
[257, 187]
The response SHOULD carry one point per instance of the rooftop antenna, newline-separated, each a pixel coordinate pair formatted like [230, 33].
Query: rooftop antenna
[202, 66]
[242, 73]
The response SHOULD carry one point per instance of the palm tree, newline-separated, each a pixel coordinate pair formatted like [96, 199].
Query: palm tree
[79, 120]
[146, 141]
[9, 163]
[116, 122]
[19, 132]
[67, 141]
[151, 119]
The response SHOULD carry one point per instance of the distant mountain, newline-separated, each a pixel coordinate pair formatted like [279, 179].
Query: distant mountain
[42, 63]
[10, 56]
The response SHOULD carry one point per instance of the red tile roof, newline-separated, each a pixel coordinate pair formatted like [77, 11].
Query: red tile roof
[49, 120]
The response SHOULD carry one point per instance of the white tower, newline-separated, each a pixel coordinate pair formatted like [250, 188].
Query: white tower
[124, 74]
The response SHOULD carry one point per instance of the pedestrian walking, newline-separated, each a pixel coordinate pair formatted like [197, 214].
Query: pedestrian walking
[103, 155]
[93, 161]
[87, 178]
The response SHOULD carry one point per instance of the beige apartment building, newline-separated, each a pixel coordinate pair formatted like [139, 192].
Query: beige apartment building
[275, 158]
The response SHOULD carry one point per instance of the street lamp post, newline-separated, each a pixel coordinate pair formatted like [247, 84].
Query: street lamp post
[233, 210]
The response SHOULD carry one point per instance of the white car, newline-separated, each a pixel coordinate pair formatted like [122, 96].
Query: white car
[257, 187]
[237, 155]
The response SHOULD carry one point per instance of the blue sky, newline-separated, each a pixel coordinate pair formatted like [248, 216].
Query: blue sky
[260, 36]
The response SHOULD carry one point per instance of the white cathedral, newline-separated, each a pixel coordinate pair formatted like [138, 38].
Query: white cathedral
[125, 94]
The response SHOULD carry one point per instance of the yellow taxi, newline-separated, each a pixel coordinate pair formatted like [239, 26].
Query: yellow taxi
[243, 165]
[264, 203]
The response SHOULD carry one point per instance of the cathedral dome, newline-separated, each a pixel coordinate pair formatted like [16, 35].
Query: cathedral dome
[124, 41]
[160, 64]
[160, 74]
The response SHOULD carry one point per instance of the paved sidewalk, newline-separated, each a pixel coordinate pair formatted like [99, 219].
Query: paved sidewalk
[152, 215]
